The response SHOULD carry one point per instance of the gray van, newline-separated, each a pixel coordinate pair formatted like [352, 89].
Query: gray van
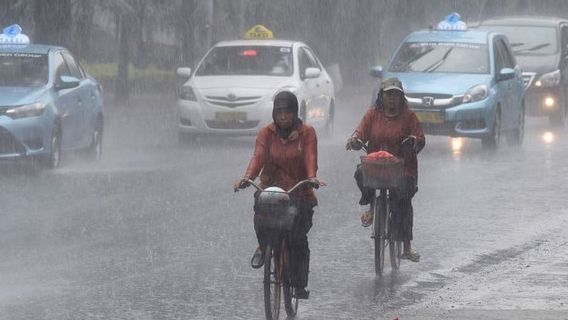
[540, 45]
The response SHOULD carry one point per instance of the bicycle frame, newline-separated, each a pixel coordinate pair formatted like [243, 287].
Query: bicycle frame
[277, 277]
[382, 231]
[382, 227]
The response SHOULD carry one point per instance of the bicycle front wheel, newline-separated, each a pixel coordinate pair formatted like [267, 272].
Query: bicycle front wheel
[379, 223]
[395, 246]
[272, 283]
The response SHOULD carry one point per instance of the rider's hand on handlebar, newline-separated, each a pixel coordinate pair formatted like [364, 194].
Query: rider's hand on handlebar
[241, 184]
[353, 143]
[409, 141]
[316, 183]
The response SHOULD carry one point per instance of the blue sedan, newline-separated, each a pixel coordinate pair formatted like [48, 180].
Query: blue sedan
[461, 83]
[48, 104]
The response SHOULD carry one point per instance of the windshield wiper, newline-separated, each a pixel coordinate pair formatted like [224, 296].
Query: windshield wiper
[438, 63]
[517, 44]
[405, 66]
[537, 47]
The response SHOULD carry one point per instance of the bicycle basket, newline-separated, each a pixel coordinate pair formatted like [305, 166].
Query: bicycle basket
[273, 210]
[379, 173]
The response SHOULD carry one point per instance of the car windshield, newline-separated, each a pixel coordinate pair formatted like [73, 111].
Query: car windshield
[247, 60]
[441, 57]
[529, 40]
[23, 69]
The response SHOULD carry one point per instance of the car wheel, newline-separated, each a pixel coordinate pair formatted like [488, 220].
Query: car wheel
[492, 141]
[185, 138]
[330, 124]
[95, 150]
[302, 113]
[515, 137]
[53, 159]
[558, 118]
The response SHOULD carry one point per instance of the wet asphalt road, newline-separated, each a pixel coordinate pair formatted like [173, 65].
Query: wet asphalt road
[154, 231]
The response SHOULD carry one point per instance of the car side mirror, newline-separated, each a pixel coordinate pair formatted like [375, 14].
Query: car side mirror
[376, 71]
[506, 74]
[312, 73]
[183, 72]
[67, 82]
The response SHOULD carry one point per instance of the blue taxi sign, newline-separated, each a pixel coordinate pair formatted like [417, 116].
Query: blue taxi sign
[13, 35]
[452, 22]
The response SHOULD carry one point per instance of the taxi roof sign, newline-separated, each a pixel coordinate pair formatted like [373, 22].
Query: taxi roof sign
[259, 32]
[13, 35]
[452, 22]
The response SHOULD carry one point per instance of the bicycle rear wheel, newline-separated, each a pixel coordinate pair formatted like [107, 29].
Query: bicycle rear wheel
[272, 283]
[395, 250]
[379, 223]
[290, 300]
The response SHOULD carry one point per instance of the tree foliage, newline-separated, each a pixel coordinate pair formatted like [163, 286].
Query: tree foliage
[172, 33]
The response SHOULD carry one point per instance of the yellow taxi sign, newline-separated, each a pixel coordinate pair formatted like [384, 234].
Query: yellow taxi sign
[259, 32]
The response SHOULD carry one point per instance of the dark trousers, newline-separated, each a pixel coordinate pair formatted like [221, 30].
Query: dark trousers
[297, 242]
[401, 204]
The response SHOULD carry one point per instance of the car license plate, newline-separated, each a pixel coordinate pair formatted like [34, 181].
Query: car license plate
[231, 116]
[430, 117]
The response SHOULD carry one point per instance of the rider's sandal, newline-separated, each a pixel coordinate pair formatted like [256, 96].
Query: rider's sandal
[257, 259]
[412, 255]
[366, 219]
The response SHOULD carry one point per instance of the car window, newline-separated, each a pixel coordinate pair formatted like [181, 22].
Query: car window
[499, 63]
[247, 60]
[528, 40]
[60, 66]
[564, 45]
[311, 58]
[506, 57]
[73, 66]
[441, 57]
[23, 69]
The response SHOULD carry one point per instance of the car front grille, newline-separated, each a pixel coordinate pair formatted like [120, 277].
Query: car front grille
[215, 124]
[433, 95]
[528, 78]
[232, 101]
[8, 144]
[433, 101]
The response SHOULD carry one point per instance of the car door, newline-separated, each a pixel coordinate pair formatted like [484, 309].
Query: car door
[564, 59]
[311, 87]
[517, 86]
[501, 87]
[512, 93]
[85, 103]
[325, 90]
[66, 102]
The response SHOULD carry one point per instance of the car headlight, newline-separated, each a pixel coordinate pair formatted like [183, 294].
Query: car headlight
[186, 93]
[476, 93]
[550, 79]
[28, 110]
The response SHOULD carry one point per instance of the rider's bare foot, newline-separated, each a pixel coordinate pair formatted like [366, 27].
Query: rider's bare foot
[366, 219]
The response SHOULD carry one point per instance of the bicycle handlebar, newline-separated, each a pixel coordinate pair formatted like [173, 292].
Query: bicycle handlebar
[289, 191]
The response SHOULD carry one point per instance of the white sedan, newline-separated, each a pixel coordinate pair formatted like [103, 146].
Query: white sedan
[232, 90]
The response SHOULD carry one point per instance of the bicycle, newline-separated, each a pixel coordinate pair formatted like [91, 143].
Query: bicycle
[273, 203]
[384, 177]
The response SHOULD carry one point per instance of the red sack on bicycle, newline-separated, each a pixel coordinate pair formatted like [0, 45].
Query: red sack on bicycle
[382, 155]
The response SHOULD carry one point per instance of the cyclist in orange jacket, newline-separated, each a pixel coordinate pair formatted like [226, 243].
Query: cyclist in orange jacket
[285, 154]
[384, 127]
